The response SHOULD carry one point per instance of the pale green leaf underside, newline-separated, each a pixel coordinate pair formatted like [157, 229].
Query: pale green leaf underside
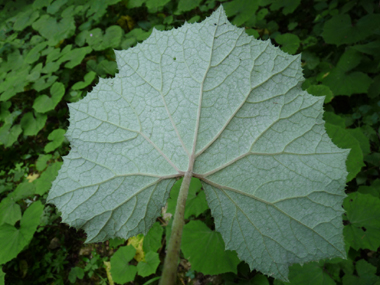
[210, 98]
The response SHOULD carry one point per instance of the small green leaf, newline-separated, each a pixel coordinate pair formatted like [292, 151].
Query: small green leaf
[241, 9]
[363, 140]
[43, 183]
[97, 41]
[108, 67]
[309, 42]
[53, 55]
[334, 119]
[135, 3]
[187, 5]
[25, 19]
[55, 6]
[13, 240]
[32, 125]
[311, 273]
[72, 10]
[349, 60]
[42, 161]
[289, 42]
[292, 26]
[373, 189]
[149, 266]
[34, 54]
[50, 67]
[339, 29]
[155, 5]
[112, 37]
[152, 240]
[335, 266]
[374, 89]
[103, 68]
[38, 4]
[363, 215]
[43, 103]
[343, 82]
[95, 38]
[253, 32]
[76, 272]
[205, 249]
[115, 242]
[261, 14]
[260, 279]
[15, 61]
[80, 39]
[366, 275]
[371, 48]
[121, 271]
[75, 56]
[14, 83]
[343, 139]
[5, 115]
[9, 134]
[321, 90]
[88, 78]
[44, 82]
[311, 59]
[288, 6]
[10, 212]
[54, 31]
[35, 73]
[139, 34]
[22, 191]
[196, 202]
[56, 137]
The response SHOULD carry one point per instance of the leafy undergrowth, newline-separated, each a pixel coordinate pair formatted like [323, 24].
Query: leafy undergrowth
[53, 52]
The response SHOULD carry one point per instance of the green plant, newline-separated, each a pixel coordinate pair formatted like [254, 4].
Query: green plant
[197, 104]
[92, 264]
[338, 41]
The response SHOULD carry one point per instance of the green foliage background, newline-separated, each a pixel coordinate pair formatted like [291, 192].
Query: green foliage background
[53, 51]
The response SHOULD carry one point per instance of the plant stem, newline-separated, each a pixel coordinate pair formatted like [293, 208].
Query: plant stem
[169, 274]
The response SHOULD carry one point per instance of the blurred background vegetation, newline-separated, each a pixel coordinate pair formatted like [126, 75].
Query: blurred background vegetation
[52, 52]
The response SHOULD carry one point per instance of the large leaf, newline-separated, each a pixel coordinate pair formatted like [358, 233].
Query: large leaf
[210, 100]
